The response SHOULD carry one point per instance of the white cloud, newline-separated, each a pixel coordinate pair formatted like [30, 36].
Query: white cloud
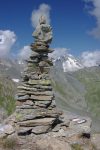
[7, 40]
[90, 59]
[24, 53]
[59, 52]
[43, 9]
[96, 13]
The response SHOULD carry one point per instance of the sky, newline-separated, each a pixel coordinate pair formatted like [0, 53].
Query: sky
[75, 23]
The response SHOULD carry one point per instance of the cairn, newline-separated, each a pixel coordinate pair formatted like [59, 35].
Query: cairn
[36, 110]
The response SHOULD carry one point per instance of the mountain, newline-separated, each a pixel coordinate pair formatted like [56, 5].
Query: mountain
[69, 63]
[77, 90]
[9, 67]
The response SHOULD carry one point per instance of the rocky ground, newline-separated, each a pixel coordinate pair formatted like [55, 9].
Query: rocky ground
[74, 133]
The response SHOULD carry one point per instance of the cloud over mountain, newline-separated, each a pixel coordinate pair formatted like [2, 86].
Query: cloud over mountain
[7, 40]
[43, 9]
[90, 59]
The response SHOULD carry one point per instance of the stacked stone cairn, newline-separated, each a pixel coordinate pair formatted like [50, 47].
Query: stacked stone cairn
[36, 110]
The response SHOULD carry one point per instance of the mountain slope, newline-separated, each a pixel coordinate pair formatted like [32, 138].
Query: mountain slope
[78, 91]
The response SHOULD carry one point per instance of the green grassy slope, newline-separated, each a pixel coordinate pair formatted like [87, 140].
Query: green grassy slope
[7, 90]
[79, 91]
[91, 79]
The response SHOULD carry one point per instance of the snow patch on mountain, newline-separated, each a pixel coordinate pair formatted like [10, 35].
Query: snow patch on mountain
[71, 64]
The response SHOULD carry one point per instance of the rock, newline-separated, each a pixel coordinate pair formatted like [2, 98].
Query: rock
[42, 88]
[50, 143]
[6, 130]
[24, 115]
[27, 88]
[27, 102]
[24, 131]
[41, 98]
[23, 98]
[36, 60]
[37, 122]
[41, 129]
[40, 82]
[95, 139]
[43, 104]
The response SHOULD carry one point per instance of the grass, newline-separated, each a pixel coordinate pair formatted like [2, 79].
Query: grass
[7, 90]
[91, 80]
[76, 147]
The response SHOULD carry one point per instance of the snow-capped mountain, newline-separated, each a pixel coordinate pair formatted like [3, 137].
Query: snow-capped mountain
[69, 63]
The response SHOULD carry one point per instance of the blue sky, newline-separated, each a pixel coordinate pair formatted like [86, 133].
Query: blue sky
[73, 25]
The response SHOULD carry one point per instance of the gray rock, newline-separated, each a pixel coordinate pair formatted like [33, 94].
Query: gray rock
[24, 130]
[41, 129]
[6, 130]
[95, 139]
[26, 88]
[24, 115]
[43, 31]
[37, 122]
[23, 98]
[41, 98]
[50, 143]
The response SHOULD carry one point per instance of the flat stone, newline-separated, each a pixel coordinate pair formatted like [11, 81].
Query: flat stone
[27, 102]
[40, 82]
[37, 122]
[43, 104]
[41, 129]
[41, 98]
[42, 88]
[24, 131]
[44, 93]
[7, 129]
[25, 107]
[43, 64]
[26, 88]
[22, 98]
[24, 115]
[35, 60]
[34, 54]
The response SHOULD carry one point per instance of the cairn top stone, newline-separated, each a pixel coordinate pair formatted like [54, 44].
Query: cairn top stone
[43, 32]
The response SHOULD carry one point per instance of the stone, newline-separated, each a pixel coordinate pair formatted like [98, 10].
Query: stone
[41, 98]
[41, 129]
[36, 60]
[6, 130]
[26, 88]
[95, 139]
[24, 131]
[50, 143]
[40, 82]
[43, 31]
[37, 122]
[24, 115]
[43, 104]
[23, 98]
